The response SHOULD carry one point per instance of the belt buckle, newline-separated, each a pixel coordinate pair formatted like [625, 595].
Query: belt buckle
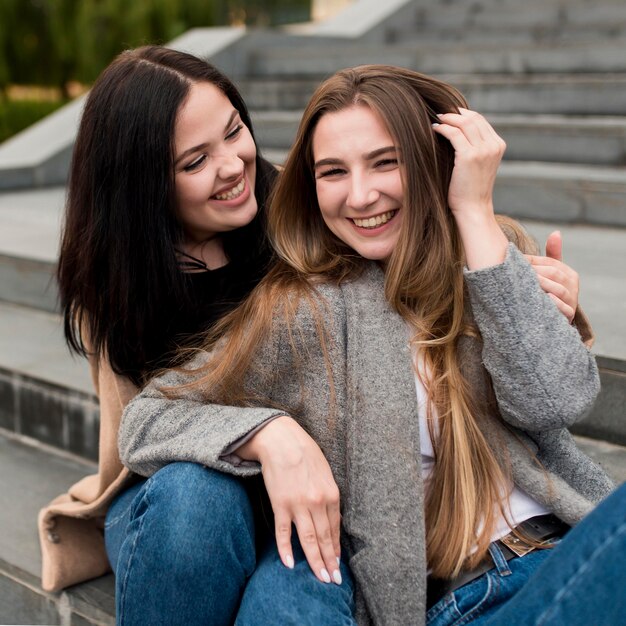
[516, 545]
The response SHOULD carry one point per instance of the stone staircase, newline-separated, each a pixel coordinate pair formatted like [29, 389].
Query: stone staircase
[551, 77]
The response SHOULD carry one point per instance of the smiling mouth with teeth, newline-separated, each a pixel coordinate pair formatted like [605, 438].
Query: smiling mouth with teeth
[233, 193]
[373, 222]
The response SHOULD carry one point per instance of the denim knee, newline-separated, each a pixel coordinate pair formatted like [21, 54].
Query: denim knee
[298, 597]
[188, 509]
[187, 549]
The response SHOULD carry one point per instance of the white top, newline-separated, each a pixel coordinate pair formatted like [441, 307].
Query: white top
[521, 505]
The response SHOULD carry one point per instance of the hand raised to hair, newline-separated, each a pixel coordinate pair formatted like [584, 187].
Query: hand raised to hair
[478, 152]
[302, 491]
[556, 278]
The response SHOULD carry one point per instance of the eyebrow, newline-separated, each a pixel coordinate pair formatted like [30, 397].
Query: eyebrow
[368, 157]
[202, 146]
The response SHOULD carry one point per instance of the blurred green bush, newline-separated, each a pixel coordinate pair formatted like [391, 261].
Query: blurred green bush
[61, 43]
[16, 115]
[55, 42]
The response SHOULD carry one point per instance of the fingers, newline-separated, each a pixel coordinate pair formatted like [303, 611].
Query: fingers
[565, 308]
[556, 271]
[282, 529]
[554, 246]
[550, 267]
[334, 518]
[559, 281]
[556, 278]
[467, 124]
[472, 127]
[303, 492]
[318, 532]
[327, 526]
[311, 544]
[318, 543]
[554, 288]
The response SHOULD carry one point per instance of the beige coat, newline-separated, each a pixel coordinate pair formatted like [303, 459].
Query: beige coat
[71, 526]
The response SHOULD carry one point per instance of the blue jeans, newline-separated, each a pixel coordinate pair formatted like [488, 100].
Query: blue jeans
[182, 546]
[579, 582]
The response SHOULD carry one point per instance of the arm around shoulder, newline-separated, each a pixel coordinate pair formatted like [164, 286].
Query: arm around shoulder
[156, 430]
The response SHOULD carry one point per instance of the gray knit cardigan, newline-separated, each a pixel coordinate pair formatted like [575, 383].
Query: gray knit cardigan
[543, 377]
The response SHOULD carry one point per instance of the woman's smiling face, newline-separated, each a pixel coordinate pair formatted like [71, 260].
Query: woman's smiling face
[358, 180]
[214, 164]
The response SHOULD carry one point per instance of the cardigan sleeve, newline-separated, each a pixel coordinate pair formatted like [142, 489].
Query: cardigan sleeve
[156, 430]
[543, 375]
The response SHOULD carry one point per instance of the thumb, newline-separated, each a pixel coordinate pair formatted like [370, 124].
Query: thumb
[554, 245]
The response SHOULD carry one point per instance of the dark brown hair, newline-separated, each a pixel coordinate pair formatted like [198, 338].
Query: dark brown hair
[117, 269]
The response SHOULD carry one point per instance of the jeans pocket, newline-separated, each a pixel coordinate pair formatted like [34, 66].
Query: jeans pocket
[465, 604]
[476, 597]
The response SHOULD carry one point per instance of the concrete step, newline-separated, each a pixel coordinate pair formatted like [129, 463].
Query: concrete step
[409, 34]
[39, 156]
[29, 241]
[562, 192]
[446, 57]
[559, 138]
[45, 393]
[531, 20]
[577, 94]
[563, 139]
[31, 475]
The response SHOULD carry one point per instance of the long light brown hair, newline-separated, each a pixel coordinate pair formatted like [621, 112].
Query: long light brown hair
[423, 283]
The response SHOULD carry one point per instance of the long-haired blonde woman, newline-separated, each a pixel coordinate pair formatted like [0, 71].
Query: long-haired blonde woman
[408, 335]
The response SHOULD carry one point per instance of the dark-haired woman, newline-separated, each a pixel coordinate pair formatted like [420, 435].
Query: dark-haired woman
[164, 234]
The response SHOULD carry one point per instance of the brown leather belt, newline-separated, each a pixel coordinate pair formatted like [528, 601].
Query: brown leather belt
[540, 529]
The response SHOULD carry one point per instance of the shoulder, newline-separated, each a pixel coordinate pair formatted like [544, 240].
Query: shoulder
[367, 283]
[318, 309]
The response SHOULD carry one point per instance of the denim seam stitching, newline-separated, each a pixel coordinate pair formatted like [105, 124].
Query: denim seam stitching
[441, 606]
[580, 571]
[130, 558]
[492, 587]
[115, 520]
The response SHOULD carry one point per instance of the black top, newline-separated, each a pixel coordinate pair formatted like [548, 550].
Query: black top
[213, 293]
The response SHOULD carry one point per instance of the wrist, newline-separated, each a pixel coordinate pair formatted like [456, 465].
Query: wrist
[474, 215]
[261, 445]
[484, 243]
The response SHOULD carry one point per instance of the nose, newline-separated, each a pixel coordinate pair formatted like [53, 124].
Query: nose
[230, 166]
[362, 193]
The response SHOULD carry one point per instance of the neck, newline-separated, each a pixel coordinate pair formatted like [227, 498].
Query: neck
[210, 252]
